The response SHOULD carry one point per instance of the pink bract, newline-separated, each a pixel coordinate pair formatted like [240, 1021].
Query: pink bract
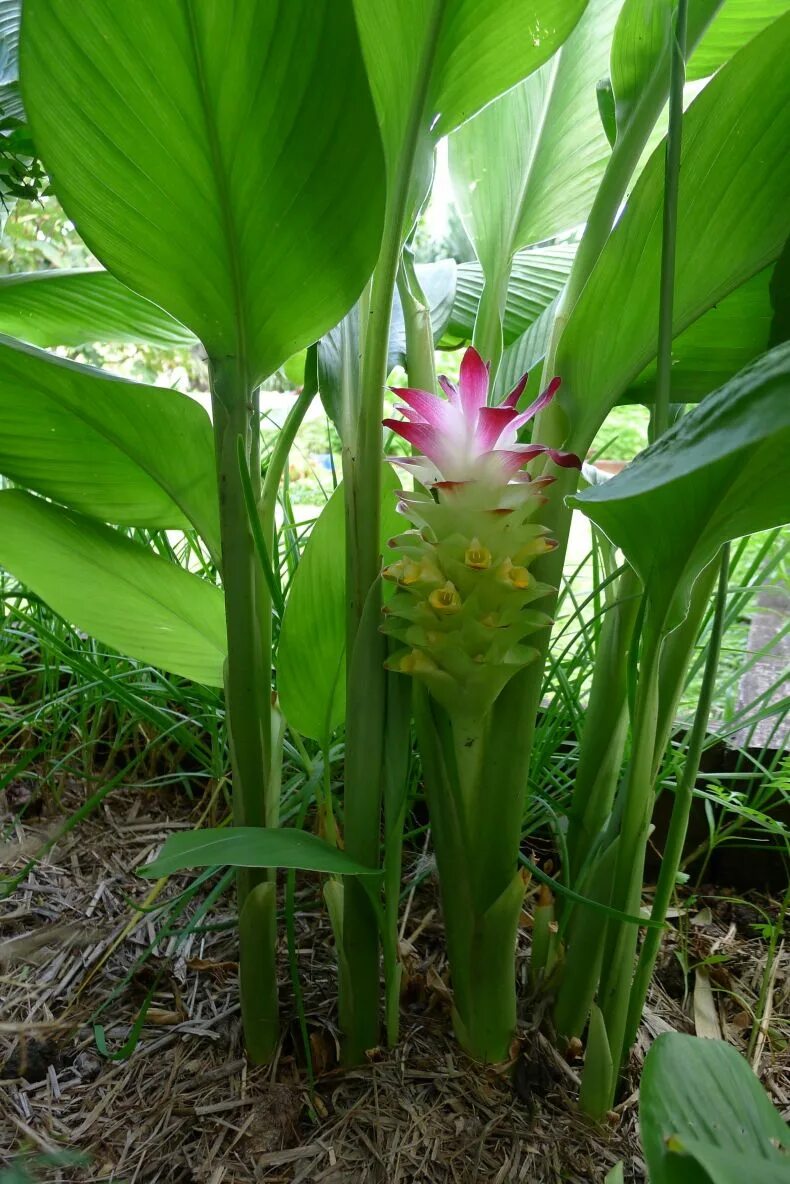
[462, 438]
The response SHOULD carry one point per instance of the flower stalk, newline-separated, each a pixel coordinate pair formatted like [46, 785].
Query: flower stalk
[462, 610]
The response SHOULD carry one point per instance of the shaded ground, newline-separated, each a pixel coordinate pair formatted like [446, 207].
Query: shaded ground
[186, 1107]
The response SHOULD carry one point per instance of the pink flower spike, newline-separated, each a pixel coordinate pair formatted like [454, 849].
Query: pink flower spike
[421, 435]
[473, 384]
[542, 401]
[518, 390]
[512, 459]
[491, 423]
[566, 460]
[430, 408]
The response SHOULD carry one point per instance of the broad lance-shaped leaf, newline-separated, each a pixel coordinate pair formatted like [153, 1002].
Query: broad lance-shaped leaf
[127, 453]
[529, 164]
[714, 348]
[433, 64]
[704, 1118]
[736, 22]
[704, 356]
[252, 846]
[733, 219]
[81, 307]
[204, 151]
[537, 275]
[113, 588]
[641, 51]
[311, 665]
[719, 473]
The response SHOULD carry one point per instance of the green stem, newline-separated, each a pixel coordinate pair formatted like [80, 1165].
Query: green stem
[678, 827]
[420, 357]
[480, 928]
[677, 78]
[638, 798]
[278, 458]
[247, 692]
[362, 463]
[605, 726]
[487, 336]
[244, 684]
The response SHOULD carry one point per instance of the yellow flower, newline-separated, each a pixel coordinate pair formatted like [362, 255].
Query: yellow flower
[477, 556]
[445, 600]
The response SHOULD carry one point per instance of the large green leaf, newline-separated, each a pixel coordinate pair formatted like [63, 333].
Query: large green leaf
[74, 308]
[736, 23]
[705, 1119]
[222, 159]
[641, 52]
[252, 846]
[113, 588]
[432, 63]
[126, 453]
[536, 276]
[733, 218]
[719, 473]
[718, 345]
[530, 163]
[311, 660]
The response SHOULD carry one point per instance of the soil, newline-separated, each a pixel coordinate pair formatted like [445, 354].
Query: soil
[186, 1106]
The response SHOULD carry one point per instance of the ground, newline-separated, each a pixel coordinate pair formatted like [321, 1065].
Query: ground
[187, 1107]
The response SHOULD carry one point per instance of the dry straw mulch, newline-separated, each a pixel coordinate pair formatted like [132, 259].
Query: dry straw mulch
[186, 1107]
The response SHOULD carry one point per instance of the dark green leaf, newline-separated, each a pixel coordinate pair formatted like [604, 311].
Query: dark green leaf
[311, 654]
[222, 160]
[433, 65]
[733, 219]
[251, 846]
[605, 96]
[719, 473]
[715, 347]
[705, 1119]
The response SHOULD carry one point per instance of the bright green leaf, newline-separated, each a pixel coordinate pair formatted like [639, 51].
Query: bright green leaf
[127, 453]
[252, 846]
[733, 219]
[536, 277]
[530, 163]
[213, 156]
[640, 53]
[433, 64]
[113, 588]
[722, 342]
[705, 1119]
[736, 23]
[719, 473]
[311, 679]
[73, 308]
